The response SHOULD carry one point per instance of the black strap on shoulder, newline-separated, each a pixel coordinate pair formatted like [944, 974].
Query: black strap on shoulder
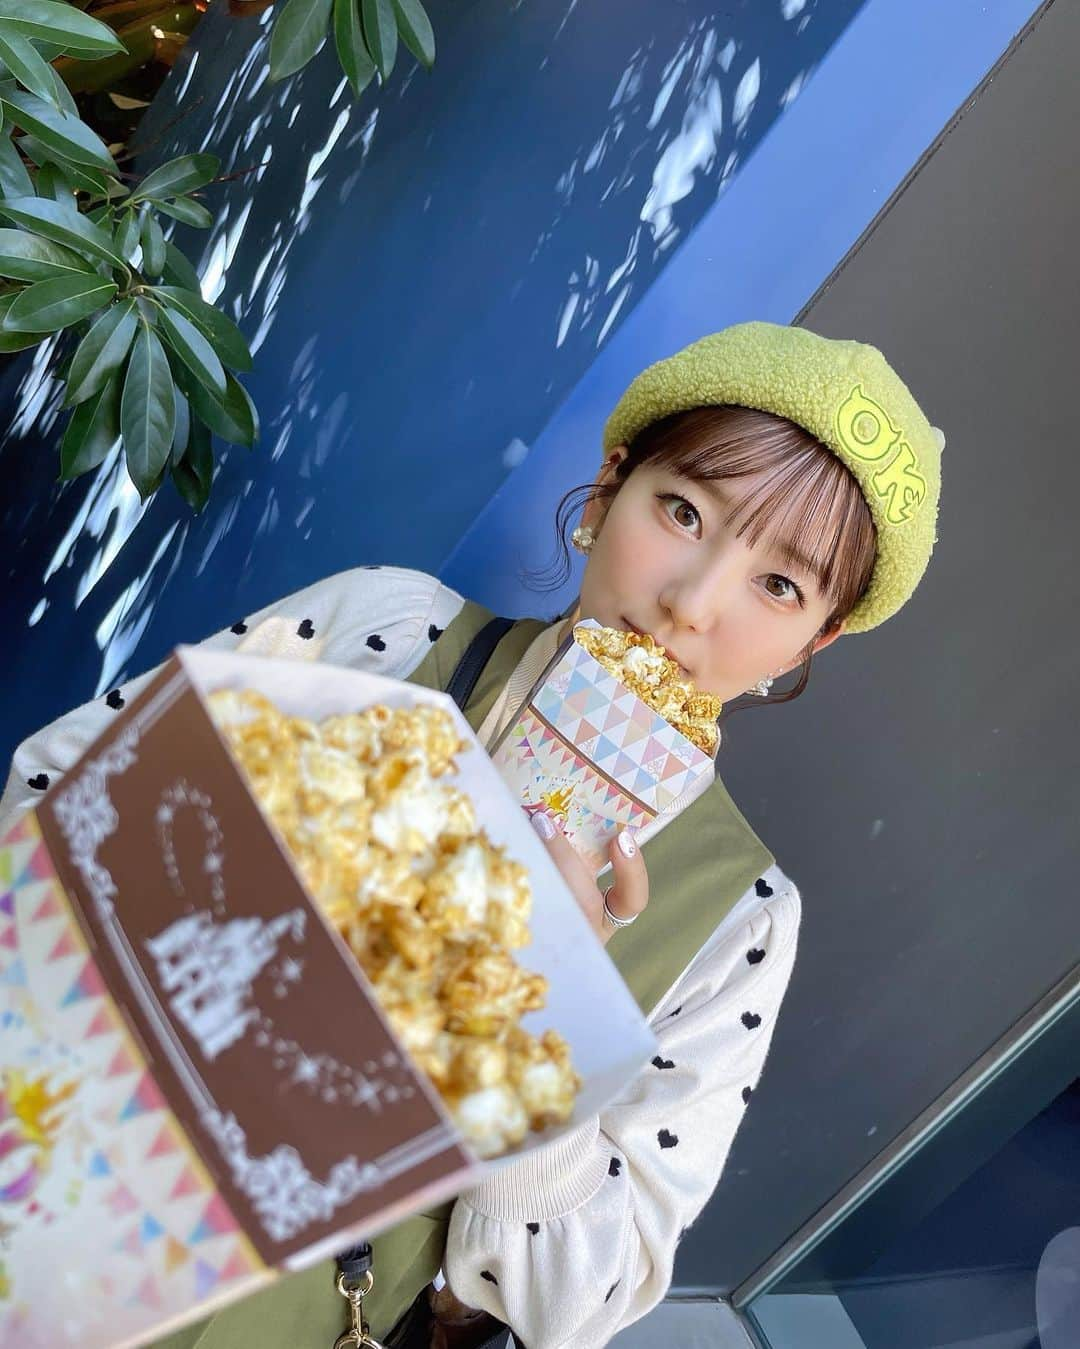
[476, 656]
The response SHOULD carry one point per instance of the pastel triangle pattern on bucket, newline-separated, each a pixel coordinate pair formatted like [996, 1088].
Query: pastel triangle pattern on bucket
[21, 830]
[206, 1276]
[186, 1183]
[236, 1267]
[48, 908]
[216, 1219]
[101, 1023]
[146, 1096]
[122, 1063]
[14, 974]
[66, 945]
[176, 1254]
[121, 1200]
[165, 1144]
[41, 867]
[99, 1165]
[89, 984]
[147, 1294]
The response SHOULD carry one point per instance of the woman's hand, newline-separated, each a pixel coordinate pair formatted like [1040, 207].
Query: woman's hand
[629, 893]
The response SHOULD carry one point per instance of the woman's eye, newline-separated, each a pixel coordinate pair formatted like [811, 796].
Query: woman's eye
[681, 511]
[789, 588]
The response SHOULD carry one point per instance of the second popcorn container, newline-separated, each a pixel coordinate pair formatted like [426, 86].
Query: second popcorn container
[586, 748]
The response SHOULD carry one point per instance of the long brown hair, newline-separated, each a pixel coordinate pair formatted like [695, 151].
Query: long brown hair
[808, 497]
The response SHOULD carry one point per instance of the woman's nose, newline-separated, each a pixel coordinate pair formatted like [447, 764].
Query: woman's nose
[696, 599]
[692, 607]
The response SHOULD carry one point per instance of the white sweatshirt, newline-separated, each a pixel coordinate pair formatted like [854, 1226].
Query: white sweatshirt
[576, 1241]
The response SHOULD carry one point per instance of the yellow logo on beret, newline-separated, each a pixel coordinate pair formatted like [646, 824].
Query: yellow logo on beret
[866, 432]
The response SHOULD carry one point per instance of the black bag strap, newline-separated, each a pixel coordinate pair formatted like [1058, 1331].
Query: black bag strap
[476, 655]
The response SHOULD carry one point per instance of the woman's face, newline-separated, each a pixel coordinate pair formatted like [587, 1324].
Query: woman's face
[664, 562]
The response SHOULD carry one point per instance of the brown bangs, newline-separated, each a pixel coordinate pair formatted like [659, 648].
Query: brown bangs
[807, 505]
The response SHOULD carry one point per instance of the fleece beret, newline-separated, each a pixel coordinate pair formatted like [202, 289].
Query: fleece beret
[847, 396]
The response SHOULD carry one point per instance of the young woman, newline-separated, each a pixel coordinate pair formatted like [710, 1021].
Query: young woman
[762, 492]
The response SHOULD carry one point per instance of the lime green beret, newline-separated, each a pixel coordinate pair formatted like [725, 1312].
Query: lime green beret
[846, 395]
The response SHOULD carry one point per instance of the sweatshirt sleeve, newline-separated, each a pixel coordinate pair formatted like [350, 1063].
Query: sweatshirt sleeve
[380, 619]
[576, 1241]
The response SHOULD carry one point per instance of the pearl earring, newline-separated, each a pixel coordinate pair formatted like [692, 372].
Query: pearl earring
[583, 538]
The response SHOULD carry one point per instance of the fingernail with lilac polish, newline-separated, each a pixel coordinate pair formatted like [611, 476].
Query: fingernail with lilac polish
[627, 843]
[543, 827]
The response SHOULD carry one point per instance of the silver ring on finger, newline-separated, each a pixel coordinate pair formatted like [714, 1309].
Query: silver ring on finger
[614, 918]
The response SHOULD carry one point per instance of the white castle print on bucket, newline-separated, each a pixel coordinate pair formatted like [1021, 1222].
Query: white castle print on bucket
[207, 970]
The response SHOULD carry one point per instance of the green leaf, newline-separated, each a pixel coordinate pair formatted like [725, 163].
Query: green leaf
[15, 181]
[181, 430]
[25, 63]
[178, 270]
[357, 64]
[194, 473]
[234, 419]
[200, 454]
[219, 330]
[415, 29]
[153, 246]
[126, 235]
[47, 306]
[147, 411]
[298, 34]
[63, 97]
[189, 487]
[90, 180]
[65, 227]
[188, 212]
[51, 182]
[14, 341]
[67, 136]
[50, 50]
[183, 174]
[102, 352]
[91, 433]
[27, 257]
[193, 349]
[380, 33]
[59, 24]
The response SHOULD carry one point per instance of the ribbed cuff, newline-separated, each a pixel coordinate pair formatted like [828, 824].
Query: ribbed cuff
[548, 1183]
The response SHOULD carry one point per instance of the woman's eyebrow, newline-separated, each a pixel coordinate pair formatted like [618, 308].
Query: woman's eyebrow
[793, 557]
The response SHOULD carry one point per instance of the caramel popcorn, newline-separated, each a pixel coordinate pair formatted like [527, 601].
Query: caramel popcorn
[430, 907]
[642, 664]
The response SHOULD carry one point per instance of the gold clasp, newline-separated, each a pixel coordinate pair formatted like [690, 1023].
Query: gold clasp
[358, 1336]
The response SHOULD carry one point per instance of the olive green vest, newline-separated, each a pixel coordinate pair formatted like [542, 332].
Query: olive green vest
[699, 865]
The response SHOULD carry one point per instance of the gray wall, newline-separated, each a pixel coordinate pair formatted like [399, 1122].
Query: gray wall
[924, 793]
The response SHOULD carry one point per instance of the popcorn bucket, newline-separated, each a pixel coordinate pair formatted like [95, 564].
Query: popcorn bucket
[198, 1088]
[584, 748]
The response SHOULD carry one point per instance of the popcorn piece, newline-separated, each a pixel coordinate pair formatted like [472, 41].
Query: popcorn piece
[428, 905]
[642, 664]
[492, 1119]
[429, 728]
[477, 886]
[543, 1075]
